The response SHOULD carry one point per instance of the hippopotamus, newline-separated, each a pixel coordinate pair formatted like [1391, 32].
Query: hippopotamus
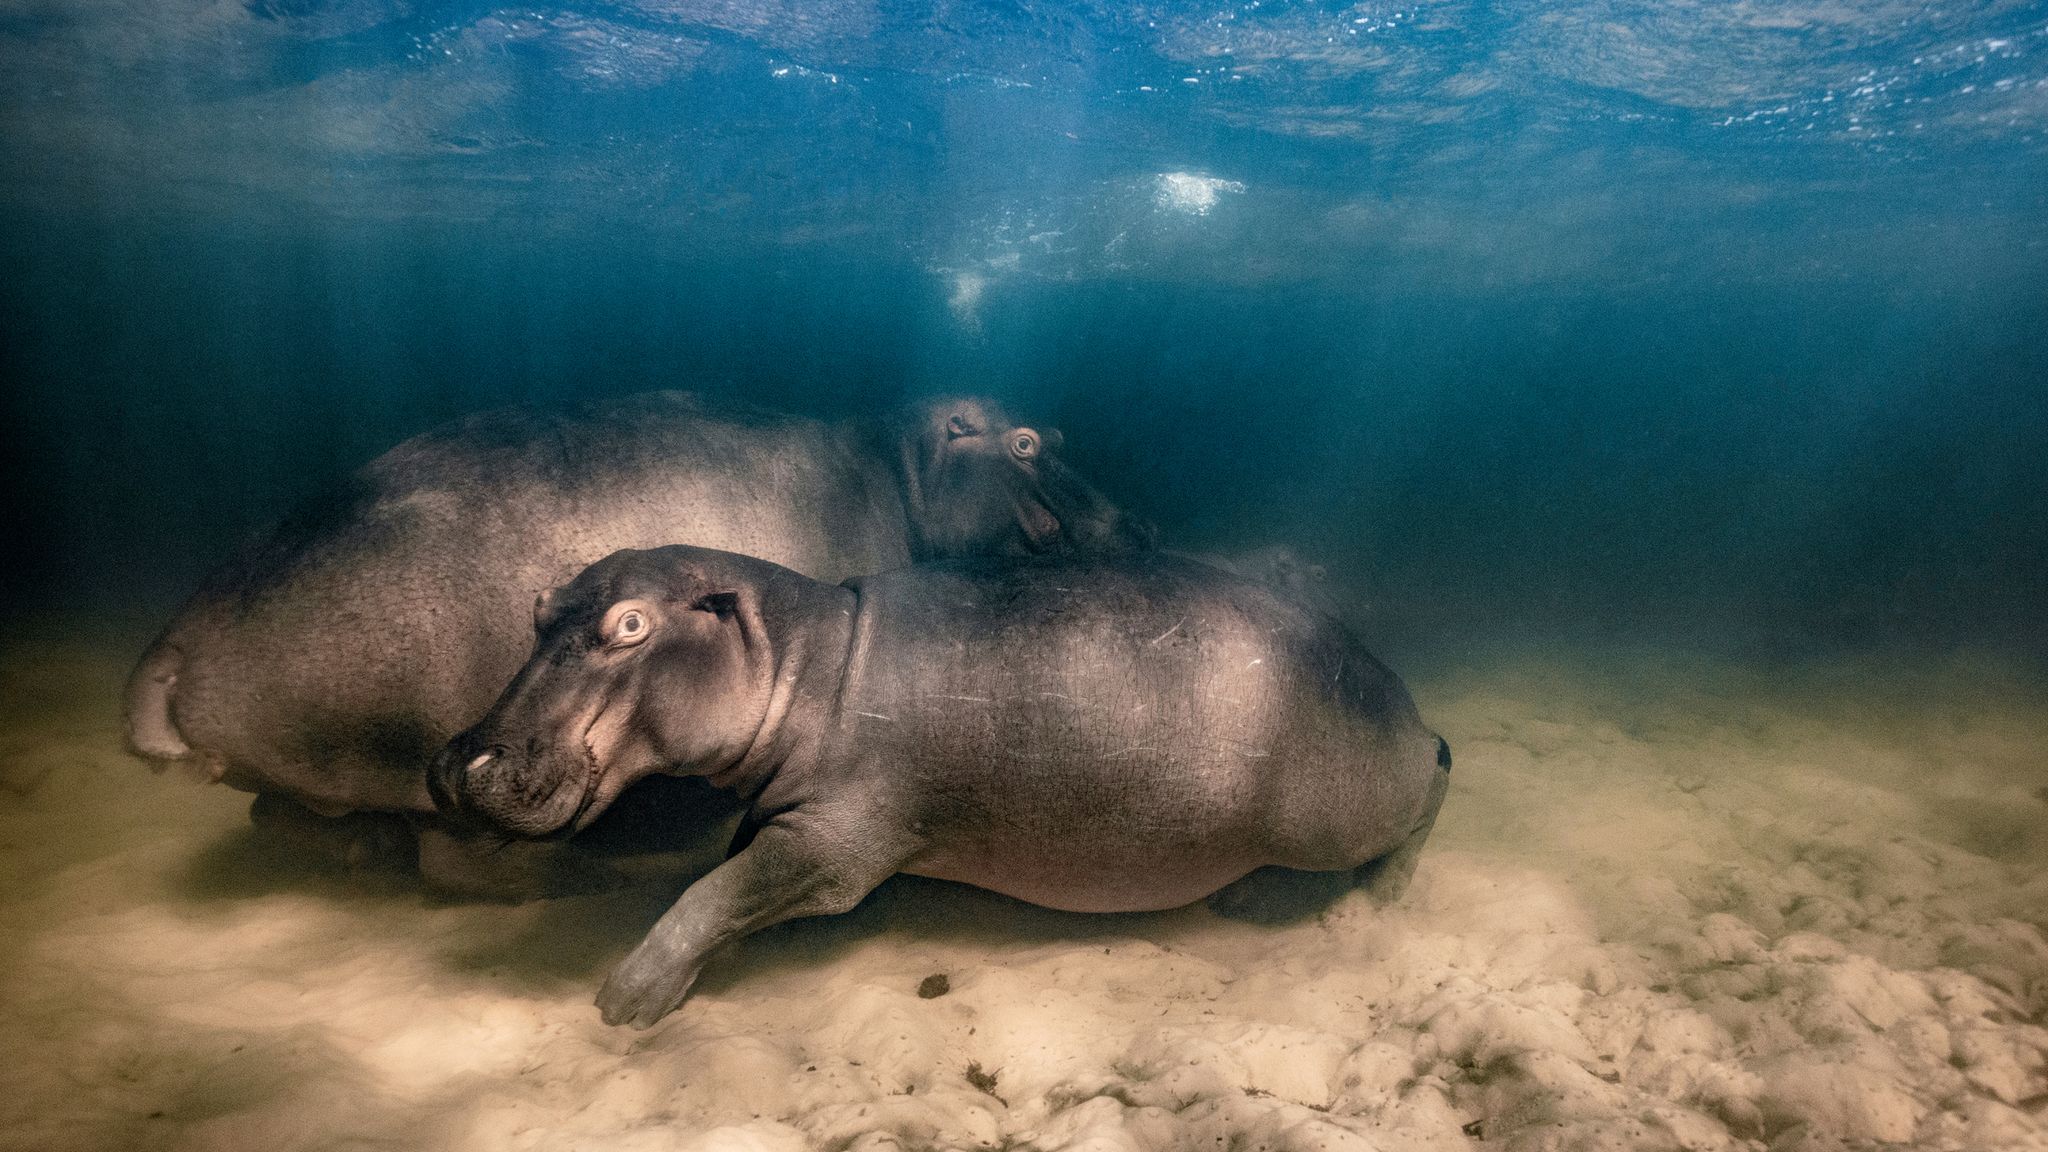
[325, 665]
[1106, 734]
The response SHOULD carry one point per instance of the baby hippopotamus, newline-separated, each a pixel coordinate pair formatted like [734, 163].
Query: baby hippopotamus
[1105, 735]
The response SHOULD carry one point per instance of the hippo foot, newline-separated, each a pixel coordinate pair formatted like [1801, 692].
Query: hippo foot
[510, 872]
[1275, 895]
[645, 987]
[1386, 879]
[357, 842]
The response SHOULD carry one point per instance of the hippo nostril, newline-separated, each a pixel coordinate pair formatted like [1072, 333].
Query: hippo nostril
[451, 777]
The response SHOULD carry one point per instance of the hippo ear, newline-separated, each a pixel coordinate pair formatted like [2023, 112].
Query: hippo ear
[721, 603]
[546, 607]
[956, 418]
[1054, 438]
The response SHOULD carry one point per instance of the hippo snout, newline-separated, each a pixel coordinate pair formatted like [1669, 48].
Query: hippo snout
[480, 785]
[151, 718]
[461, 765]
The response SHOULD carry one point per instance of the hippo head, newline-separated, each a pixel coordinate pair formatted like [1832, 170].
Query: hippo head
[979, 483]
[647, 661]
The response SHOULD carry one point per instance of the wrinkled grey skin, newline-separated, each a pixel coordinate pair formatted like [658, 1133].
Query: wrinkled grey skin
[327, 664]
[1111, 734]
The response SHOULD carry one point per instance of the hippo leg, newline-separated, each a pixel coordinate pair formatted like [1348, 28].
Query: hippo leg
[785, 872]
[660, 829]
[1276, 895]
[511, 871]
[358, 842]
[1386, 878]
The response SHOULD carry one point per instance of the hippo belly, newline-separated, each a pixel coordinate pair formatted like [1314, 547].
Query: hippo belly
[1088, 830]
[1102, 875]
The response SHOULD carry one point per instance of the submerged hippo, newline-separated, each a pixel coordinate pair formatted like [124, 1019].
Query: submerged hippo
[1111, 735]
[327, 664]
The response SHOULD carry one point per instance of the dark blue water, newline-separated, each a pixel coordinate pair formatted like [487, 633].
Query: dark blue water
[1651, 319]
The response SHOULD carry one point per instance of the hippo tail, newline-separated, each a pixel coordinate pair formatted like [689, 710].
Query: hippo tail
[152, 731]
[1443, 754]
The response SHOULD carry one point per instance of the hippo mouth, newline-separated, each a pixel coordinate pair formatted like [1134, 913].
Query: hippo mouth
[482, 794]
[533, 781]
[1040, 527]
[587, 809]
[151, 720]
[583, 814]
[1066, 512]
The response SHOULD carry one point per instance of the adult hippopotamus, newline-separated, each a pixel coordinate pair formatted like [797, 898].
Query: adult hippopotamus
[326, 665]
[1114, 734]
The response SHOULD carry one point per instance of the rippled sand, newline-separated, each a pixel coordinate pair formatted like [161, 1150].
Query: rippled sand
[1671, 903]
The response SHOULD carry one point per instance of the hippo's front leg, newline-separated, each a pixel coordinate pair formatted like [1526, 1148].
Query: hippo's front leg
[799, 864]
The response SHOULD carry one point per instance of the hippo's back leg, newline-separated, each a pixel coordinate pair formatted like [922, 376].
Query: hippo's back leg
[1386, 878]
[1276, 895]
[358, 842]
[511, 872]
[366, 842]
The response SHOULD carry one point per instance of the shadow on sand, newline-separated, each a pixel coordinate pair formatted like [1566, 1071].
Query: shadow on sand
[582, 937]
[569, 910]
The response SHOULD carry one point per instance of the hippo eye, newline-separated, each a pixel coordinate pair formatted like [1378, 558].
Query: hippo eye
[627, 625]
[1024, 445]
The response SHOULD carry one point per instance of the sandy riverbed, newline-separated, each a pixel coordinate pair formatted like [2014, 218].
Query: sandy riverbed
[1671, 903]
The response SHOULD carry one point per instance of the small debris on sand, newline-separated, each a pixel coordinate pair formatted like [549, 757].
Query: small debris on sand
[983, 1081]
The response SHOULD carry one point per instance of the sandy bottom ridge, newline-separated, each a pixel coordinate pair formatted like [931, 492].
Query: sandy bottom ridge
[1671, 904]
